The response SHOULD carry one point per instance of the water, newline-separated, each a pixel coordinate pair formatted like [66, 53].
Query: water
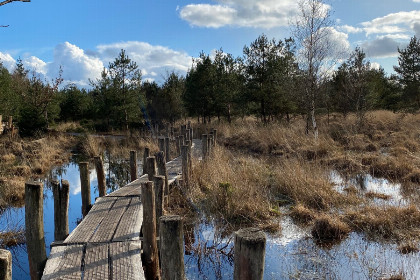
[14, 218]
[291, 254]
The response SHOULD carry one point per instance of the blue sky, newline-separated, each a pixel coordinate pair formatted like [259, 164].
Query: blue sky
[163, 35]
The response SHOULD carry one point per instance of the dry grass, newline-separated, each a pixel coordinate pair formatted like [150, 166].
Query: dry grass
[12, 238]
[329, 229]
[264, 166]
[386, 222]
[25, 159]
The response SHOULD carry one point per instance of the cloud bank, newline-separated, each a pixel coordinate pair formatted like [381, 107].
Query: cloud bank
[79, 66]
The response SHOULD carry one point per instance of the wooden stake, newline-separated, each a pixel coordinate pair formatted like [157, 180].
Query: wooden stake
[61, 209]
[133, 165]
[158, 182]
[5, 265]
[214, 137]
[204, 145]
[151, 167]
[167, 149]
[150, 251]
[145, 156]
[34, 221]
[85, 187]
[249, 254]
[161, 170]
[185, 165]
[171, 247]
[161, 144]
[100, 174]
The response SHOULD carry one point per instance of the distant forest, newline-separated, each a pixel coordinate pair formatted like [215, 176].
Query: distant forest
[267, 81]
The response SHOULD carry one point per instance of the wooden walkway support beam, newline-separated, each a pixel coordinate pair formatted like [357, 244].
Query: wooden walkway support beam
[34, 221]
[133, 165]
[5, 265]
[161, 144]
[61, 209]
[249, 254]
[100, 174]
[150, 250]
[171, 247]
[161, 167]
[85, 187]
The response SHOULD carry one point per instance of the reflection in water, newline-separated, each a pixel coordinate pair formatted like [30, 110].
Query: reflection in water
[14, 218]
[294, 255]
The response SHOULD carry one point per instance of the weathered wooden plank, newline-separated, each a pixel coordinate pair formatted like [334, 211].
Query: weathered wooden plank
[126, 260]
[83, 232]
[130, 223]
[64, 263]
[96, 262]
[106, 229]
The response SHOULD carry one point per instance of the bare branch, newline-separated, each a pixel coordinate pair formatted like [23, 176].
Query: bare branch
[10, 1]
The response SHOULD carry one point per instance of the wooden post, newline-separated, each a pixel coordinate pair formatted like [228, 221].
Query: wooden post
[177, 144]
[172, 133]
[161, 144]
[249, 254]
[167, 150]
[145, 156]
[133, 165]
[85, 187]
[171, 247]
[214, 137]
[209, 145]
[161, 167]
[10, 122]
[100, 174]
[187, 133]
[151, 167]
[158, 182]
[191, 134]
[185, 165]
[150, 251]
[5, 265]
[204, 145]
[34, 221]
[61, 209]
[181, 143]
[183, 130]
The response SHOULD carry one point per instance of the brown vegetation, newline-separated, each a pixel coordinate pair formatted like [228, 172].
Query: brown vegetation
[265, 166]
[23, 159]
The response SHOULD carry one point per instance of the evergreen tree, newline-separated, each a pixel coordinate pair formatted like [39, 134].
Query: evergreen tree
[408, 71]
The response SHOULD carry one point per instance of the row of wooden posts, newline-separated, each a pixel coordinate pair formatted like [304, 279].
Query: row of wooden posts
[249, 243]
[8, 128]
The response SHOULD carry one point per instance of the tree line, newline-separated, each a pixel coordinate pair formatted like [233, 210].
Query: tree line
[267, 81]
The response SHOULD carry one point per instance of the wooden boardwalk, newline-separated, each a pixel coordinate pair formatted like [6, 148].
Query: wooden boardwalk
[106, 244]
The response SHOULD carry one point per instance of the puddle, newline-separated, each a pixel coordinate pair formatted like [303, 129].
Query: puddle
[14, 218]
[294, 255]
[366, 184]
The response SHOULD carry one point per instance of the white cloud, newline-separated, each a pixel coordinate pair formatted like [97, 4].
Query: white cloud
[375, 65]
[81, 65]
[392, 23]
[241, 13]
[33, 63]
[338, 42]
[154, 60]
[416, 1]
[77, 66]
[8, 61]
[350, 29]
